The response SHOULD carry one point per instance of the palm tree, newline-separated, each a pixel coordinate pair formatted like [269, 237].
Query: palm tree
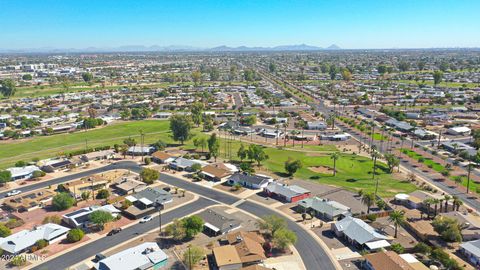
[335, 156]
[276, 130]
[375, 155]
[398, 218]
[294, 135]
[440, 201]
[457, 202]
[368, 199]
[426, 204]
[435, 201]
[285, 125]
[446, 198]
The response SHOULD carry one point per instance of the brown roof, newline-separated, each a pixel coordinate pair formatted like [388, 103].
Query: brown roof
[161, 155]
[226, 255]
[255, 267]
[387, 260]
[29, 199]
[248, 245]
[215, 171]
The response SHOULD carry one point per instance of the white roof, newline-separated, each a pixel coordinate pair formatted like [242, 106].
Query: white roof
[402, 197]
[377, 244]
[212, 227]
[131, 198]
[409, 258]
[142, 256]
[22, 171]
[24, 239]
[145, 201]
[460, 129]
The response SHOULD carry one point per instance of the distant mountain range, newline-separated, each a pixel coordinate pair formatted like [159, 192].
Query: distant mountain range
[172, 48]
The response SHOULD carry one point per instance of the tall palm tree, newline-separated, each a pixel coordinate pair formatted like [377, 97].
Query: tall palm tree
[276, 130]
[335, 156]
[435, 202]
[368, 199]
[375, 155]
[457, 203]
[426, 204]
[285, 125]
[398, 218]
[294, 135]
[446, 198]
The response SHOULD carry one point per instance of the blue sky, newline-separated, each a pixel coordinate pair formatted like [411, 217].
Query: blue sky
[208, 23]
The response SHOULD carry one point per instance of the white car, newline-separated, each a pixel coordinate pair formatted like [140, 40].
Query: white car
[146, 218]
[13, 193]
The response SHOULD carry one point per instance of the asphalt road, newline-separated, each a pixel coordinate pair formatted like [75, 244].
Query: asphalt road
[313, 256]
[128, 165]
[84, 252]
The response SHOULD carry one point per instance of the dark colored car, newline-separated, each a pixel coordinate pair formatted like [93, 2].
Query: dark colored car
[114, 231]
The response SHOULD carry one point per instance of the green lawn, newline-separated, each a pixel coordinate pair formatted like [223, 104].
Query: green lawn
[427, 161]
[48, 146]
[379, 137]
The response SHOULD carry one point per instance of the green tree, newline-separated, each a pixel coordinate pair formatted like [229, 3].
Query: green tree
[200, 142]
[100, 218]
[7, 88]
[75, 235]
[180, 126]
[62, 201]
[130, 142]
[176, 230]
[292, 166]
[18, 261]
[256, 152]
[392, 162]
[193, 225]
[149, 175]
[272, 67]
[242, 153]
[103, 194]
[403, 66]
[397, 218]
[4, 231]
[38, 174]
[193, 256]
[346, 74]
[448, 228]
[197, 77]
[87, 76]
[196, 110]
[214, 74]
[382, 69]
[282, 238]
[437, 77]
[5, 176]
[368, 199]
[27, 77]
[160, 145]
[214, 146]
[52, 219]
[397, 248]
[333, 72]
[271, 224]
[335, 156]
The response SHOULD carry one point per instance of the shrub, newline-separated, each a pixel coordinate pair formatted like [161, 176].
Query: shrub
[52, 219]
[75, 235]
[103, 194]
[422, 248]
[41, 243]
[13, 223]
[421, 159]
[38, 174]
[398, 248]
[62, 201]
[148, 161]
[372, 217]
[18, 261]
[4, 231]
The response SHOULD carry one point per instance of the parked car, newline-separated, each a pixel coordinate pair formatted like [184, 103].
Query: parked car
[146, 219]
[13, 193]
[114, 231]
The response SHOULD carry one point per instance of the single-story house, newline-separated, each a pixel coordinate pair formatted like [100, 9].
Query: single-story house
[324, 208]
[461, 130]
[22, 173]
[129, 186]
[316, 125]
[94, 182]
[99, 155]
[81, 217]
[55, 165]
[359, 233]
[218, 222]
[286, 193]
[183, 164]
[147, 201]
[23, 240]
[249, 246]
[215, 172]
[386, 260]
[254, 181]
[145, 256]
[29, 201]
[227, 258]
[139, 150]
[335, 137]
[161, 157]
[471, 250]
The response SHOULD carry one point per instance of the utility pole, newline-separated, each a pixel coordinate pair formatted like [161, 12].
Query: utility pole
[468, 175]
[142, 138]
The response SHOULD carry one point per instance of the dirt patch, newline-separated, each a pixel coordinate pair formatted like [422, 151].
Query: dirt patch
[315, 154]
[321, 169]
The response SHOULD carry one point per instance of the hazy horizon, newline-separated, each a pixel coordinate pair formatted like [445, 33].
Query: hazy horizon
[350, 24]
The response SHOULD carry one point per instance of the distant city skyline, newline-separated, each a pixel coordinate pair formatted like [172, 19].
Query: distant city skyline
[350, 24]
